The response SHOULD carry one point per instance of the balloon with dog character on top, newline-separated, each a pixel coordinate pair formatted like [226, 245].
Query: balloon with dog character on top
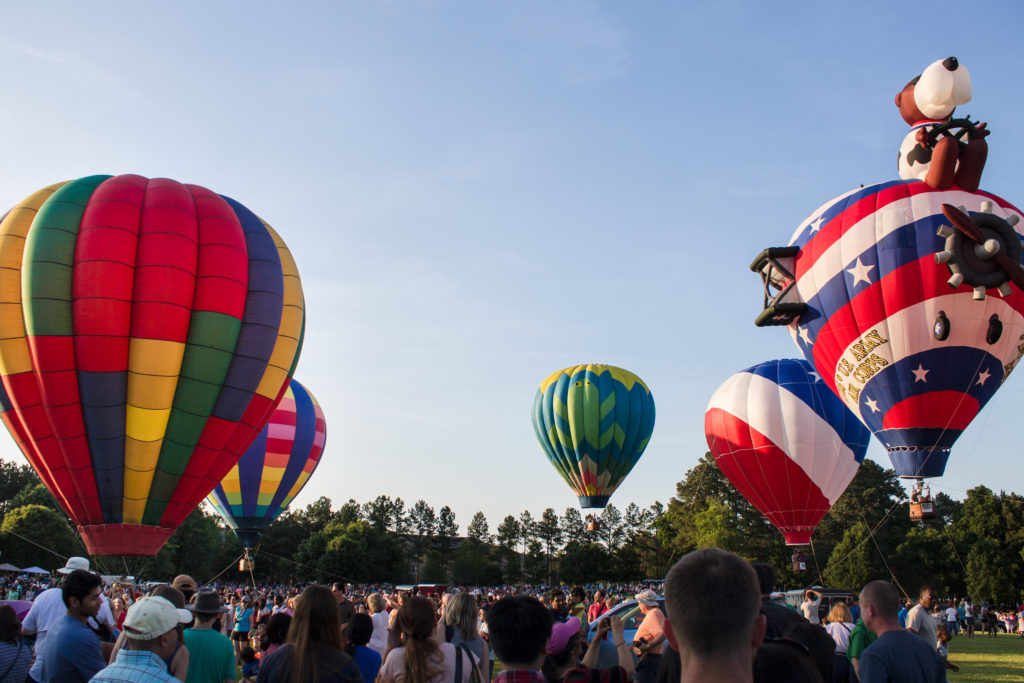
[906, 295]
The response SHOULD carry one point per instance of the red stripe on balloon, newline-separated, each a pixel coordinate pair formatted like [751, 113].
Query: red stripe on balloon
[765, 475]
[932, 410]
[223, 262]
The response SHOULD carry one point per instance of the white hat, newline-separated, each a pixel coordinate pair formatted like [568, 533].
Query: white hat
[648, 598]
[152, 617]
[74, 563]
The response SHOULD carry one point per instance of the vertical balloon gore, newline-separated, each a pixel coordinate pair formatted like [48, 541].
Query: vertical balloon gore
[593, 422]
[274, 468]
[786, 442]
[148, 329]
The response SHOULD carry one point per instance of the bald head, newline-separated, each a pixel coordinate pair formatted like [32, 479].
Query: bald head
[883, 597]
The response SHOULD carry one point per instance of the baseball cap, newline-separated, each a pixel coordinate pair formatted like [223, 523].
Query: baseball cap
[152, 617]
[561, 634]
[184, 583]
[74, 563]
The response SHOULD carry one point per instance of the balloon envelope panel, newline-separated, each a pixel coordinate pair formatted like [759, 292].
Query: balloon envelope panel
[786, 442]
[149, 328]
[274, 468]
[876, 297]
[593, 422]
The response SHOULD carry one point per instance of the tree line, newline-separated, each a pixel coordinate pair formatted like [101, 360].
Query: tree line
[973, 546]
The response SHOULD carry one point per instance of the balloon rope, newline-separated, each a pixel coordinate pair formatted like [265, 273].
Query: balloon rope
[230, 564]
[821, 581]
[882, 556]
[299, 564]
[888, 512]
[967, 574]
[29, 540]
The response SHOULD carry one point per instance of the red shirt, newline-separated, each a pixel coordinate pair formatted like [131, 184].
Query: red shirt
[519, 676]
[596, 610]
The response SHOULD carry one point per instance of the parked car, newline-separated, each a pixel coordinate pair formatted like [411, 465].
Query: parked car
[829, 597]
[629, 613]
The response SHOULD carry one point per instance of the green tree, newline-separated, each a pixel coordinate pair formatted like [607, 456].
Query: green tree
[447, 532]
[478, 529]
[536, 563]
[434, 570]
[854, 562]
[574, 529]
[473, 565]
[583, 562]
[549, 532]
[715, 527]
[32, 535]
[14, 478]
[508, 538]
[611, 531]
[36, 494]
[424, 524]
[350, 512]
[197, 547]
[355, 552]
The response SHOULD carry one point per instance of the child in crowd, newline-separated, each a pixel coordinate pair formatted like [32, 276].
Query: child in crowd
[943, 649]
[250, 665]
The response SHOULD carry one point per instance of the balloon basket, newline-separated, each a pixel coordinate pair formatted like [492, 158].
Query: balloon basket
[246, 564]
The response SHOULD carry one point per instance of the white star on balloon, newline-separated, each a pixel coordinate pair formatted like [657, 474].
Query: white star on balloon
[860, 272]
[982, 377]
[920, 373]
[816, 376]
[873, 405]
[804, 335]
[816, 224]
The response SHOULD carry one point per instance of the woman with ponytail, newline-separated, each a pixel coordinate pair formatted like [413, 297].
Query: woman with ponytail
[420, 658]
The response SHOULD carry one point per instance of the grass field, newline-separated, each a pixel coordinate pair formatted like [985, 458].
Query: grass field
[984, 659]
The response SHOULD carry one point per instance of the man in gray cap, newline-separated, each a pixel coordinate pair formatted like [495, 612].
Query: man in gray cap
[211, 654]
[151, 627]
[650, 636]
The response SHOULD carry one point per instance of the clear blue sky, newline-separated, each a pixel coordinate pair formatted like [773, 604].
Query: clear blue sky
[478, 194]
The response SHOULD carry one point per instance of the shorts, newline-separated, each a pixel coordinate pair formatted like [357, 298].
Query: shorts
[241, 636]
[969, 621]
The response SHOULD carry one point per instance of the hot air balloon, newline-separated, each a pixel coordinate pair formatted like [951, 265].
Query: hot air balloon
[274, 468]
[594, 422]
[786, 442]
[149, 328]
[900, 295]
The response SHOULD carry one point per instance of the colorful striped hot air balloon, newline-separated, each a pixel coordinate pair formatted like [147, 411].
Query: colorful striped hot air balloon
[594, 422]
[911, 316]
[786, 442]
[149, 328]
[275, 468]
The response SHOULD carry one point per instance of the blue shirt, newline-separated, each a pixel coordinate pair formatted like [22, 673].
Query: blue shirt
[135, 666]
[901, 657]
[243, 619]
[368, 662]
[72, 652]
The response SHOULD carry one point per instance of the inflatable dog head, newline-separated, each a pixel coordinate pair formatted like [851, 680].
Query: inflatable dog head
[934, 94]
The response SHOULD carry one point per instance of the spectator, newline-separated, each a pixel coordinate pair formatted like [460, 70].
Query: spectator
[897, 655]
[779, 616]
[556, 603]
[276, 633]
[186, 584]
[951, 619]
[784, 660]
[519, 628]
[243, 624]
[860, 638]
[379, 640]
[73, 650]
[360, 628]
[250, 665]
[15, 655]
[598, 607]
[462, 614]
[713, 602]
[566, 646]
[211, 654]
[810, 606]
[820, 647]
[420, 658]
[919, 619]
[943, 649]
[313, 651]
[345, 607]
[840, 626]
[152, 628]
[650, 636]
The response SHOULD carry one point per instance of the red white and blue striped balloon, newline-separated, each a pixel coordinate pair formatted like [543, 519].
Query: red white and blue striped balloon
[867, 271]
[786, 442]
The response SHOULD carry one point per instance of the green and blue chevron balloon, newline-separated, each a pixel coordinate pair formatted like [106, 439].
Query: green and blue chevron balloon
[594, 422]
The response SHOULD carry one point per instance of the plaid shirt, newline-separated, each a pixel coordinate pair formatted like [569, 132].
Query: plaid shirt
[135, 666]
[519, 676]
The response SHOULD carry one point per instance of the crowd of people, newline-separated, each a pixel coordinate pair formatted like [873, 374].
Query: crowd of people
[722, 620]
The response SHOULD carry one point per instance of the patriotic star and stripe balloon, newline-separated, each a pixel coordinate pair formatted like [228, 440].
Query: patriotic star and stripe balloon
[274, 468]
[786, 442]
[878, 298]
[148, 330]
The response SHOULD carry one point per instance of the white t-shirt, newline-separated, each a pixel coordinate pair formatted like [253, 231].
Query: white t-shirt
[841, 634]
[45, 611]
[379, 637]
[922, 623]
[951, 614]
[809, 608]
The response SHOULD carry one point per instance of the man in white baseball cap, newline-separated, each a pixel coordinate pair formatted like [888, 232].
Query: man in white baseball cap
[151, 627]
